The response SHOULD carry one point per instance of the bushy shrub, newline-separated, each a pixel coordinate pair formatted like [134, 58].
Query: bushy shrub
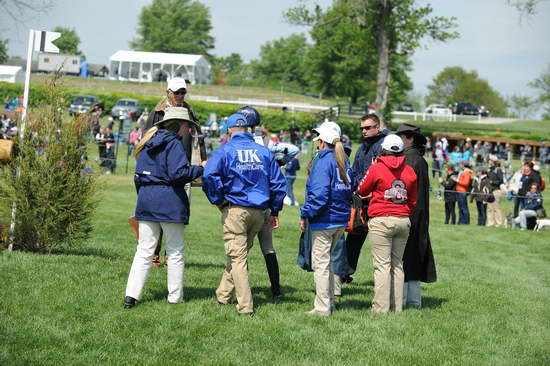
[54, 198]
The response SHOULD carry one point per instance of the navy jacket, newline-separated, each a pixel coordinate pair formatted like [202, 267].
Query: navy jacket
[291, 168]
[162, 170]
[533, 201]
[328, 197]
[369, 149]
[245, 174]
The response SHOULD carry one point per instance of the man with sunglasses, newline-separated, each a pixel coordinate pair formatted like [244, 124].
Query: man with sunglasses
[373, 136]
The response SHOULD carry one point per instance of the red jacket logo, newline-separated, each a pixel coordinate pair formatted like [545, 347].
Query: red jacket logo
[397, 193]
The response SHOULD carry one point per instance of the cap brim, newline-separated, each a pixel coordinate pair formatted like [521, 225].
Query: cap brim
[161, 122]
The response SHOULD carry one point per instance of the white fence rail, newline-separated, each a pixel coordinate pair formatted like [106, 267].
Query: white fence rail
[294, 107]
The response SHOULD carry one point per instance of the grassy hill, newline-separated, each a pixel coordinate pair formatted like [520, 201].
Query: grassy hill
[158, 89]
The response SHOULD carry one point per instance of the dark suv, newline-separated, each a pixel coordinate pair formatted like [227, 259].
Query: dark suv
[465, 108]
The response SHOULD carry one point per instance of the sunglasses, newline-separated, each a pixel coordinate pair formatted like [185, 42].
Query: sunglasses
[366, 128]
[180, 92]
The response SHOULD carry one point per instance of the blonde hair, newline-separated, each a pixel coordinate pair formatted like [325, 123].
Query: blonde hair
[340, 157]
[148, 136]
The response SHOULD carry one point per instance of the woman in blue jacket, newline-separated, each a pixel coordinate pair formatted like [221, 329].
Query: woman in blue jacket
[162, 170]
[327, 209]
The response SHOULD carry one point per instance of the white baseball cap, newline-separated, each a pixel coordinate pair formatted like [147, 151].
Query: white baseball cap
[392, 143]
[328, 132]
[176, 84]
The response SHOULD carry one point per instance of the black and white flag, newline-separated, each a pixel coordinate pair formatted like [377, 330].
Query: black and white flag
[43, 41]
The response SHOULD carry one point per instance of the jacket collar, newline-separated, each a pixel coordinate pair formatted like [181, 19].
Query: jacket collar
[325, 152]
[241, 137]
[373, 139]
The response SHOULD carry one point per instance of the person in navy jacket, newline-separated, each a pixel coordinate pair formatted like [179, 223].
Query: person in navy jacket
[327, 209]
[162, 170]
[242, 179]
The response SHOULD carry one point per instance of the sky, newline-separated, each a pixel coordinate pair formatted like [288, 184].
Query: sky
[503, 48]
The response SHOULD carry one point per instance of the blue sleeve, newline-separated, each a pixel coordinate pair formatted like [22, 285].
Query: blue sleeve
[317, 192]
[179, 169]
[277, 187]
[212, 183]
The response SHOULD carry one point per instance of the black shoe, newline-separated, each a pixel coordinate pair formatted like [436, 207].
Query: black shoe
[347, 279]
[129, 302]
[276, 292]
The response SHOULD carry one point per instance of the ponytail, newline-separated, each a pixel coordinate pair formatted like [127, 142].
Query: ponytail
[340, 156]
[148, 135]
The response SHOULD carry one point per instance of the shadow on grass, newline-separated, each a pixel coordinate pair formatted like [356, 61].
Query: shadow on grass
[433, 302]
[88, 251]
[354, 304]
[204, 265]
[192, 294]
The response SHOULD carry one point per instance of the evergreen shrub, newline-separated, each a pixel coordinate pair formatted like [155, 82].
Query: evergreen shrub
[54, 198]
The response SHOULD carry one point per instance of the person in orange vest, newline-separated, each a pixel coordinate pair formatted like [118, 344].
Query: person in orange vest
[463, 187]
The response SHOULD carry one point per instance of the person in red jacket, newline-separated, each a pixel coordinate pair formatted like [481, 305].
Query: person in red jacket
[392, 184]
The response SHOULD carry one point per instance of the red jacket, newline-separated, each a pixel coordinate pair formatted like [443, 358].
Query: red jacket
[393, 187]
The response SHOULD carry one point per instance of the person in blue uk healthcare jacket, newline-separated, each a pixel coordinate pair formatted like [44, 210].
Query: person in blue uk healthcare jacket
[162, 170]
[327, 209]
[283, 154]
[242, 179]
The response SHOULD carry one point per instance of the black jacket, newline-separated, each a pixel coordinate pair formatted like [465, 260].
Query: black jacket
[450, 185]
[369, 149]
[418, 259]
[496, 177]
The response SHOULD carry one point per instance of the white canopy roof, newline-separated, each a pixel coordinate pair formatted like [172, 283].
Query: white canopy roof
[9, 70]
[156, 57]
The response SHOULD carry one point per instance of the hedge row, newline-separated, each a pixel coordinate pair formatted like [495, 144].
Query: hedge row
[274, 120]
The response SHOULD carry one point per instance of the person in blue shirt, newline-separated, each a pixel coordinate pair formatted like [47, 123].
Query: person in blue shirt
[242, 179]
[456, 156]
[162, 170]
[283, 154]
[327, 209]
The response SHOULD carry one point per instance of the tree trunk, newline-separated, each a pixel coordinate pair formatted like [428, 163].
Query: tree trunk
[383, 45]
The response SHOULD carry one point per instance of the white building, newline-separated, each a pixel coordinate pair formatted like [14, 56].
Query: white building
[51, 62]
[12, 74]
[157, 66]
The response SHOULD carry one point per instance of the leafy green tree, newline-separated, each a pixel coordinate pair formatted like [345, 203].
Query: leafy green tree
[281, 61]
[174, 26]
[69, 41]
[3, 51]
[522, 106]
[396, 27]
[454, 84]
[226, 69]
[542, 84]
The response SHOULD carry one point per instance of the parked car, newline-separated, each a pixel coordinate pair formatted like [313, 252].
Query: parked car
[406, 107]
[465, 108]
[83, 103]
[125, 107]
[438, 109]
[484, 111]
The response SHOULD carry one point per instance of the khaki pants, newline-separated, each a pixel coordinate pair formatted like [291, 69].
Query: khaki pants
[388, 237]
[494, 211]
[323, 241]
[240, 226]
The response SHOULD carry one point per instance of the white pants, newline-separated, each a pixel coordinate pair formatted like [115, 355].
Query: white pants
[149, 233]
[412, 294]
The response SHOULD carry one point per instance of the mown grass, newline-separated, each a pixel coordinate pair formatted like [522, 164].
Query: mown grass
[159, 89]
[489, 307]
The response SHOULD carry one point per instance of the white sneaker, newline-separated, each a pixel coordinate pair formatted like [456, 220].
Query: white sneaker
[318, 313]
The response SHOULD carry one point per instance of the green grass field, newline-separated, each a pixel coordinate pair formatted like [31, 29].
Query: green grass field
[489, 307]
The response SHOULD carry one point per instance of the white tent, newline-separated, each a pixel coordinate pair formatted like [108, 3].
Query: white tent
[156, 66]
[12, 74]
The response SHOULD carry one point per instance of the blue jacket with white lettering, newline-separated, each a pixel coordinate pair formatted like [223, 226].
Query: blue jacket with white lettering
[328, 197]
[162, 170]
[245, 174]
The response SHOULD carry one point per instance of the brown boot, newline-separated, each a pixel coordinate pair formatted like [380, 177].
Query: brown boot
[165, 260]
[156, 262]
